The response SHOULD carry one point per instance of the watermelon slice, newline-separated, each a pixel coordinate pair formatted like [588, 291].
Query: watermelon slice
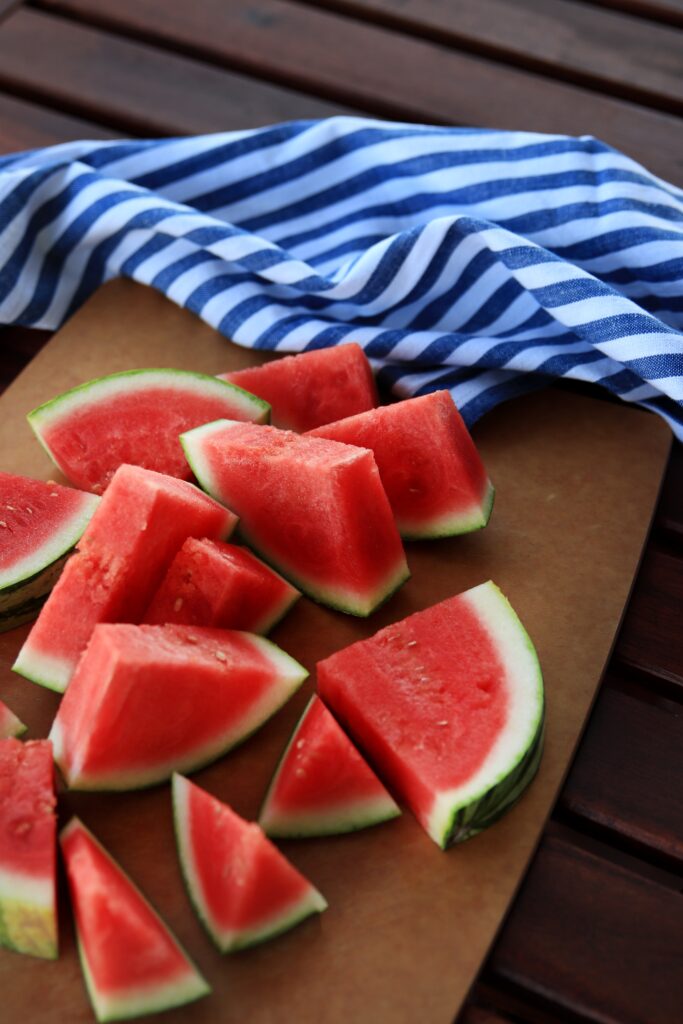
[434, 478]
[149, 700]
[209, 583]
[315, 509]
[449, 705]
[134, 417]
[139, 526]
[242, 887]
[39, 524]
[322, 785]
[316, 387]
[28, 900]
[10, 725]
[131, 962]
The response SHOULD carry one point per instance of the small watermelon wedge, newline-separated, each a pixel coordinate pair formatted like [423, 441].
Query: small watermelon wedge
[313, 508]
[10, 725]
[210, 583]
[312, 388]
[131, 962]
[28, 895]
[138, 527]
[134, 417]
[449, 705]
[39, 525]
[430, 468]
[243, 889]
[322, 786]
[146, 701]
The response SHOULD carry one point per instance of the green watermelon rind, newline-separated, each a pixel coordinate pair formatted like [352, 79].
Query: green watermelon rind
[455, 820]
[52, 673]
[37, 899]
[165, 997]
[287, 687]
[364, 814]
[452, 525]
[16, 726]
[312, 903]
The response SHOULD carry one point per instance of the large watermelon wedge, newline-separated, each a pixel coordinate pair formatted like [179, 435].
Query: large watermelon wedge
[448, 704]
[138, 527]
[10, 725]
[313, 508]
[431, 470]
[134, 417]
[131, 962]
[39, 524]
[149, 700]
[28, 897]
[322, 786]
[243, 889]
[312, 388]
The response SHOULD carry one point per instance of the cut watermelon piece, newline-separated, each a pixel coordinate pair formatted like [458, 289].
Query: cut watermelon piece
[243, 889]
[312, 388]
[131, 962]
[39, 525]
[322, 785]
[140, 524]
[209, 583]
[10, 725]
[448, 703]
[28, 898]
[149, 700]
[434, 478]
[315, 509]
[134, 418]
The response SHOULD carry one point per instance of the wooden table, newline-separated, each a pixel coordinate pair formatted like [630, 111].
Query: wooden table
[596, 932]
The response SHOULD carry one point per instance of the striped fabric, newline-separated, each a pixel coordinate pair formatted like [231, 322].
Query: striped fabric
[481, 261]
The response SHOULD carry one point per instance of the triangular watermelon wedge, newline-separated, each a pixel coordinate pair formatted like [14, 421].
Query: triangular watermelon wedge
[243, 889]
[10, 725]
[131, 962]
[322, 785]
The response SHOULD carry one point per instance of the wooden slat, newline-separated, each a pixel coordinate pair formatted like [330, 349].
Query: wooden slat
[393, 74]
[133, 87]
[651, 637]
[670, 12]
[594, 938]
[606, 50]
[6, 6]
[622, 778]
[26, 126]
[670, 508]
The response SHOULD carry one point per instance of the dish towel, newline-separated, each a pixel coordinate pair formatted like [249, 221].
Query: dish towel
[485, 262]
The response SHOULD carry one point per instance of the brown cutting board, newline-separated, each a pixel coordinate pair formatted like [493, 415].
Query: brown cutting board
[408, 926]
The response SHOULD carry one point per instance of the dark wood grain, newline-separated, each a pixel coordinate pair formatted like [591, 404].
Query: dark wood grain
[670, 508]
[133, 87]
[651, 639]
[605, 50]
[387, 72]
[669, 12]
[595, 938]
[26, 125]
[624, 776]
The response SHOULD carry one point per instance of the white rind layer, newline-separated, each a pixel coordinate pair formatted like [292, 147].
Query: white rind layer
[23, 888]
[335, 821]
[57, 545]
[227, 940]
[474, 518]
[137, 1000]
[525, 689]
[52, 673]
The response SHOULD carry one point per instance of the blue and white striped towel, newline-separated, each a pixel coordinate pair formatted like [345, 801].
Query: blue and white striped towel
[481, 261]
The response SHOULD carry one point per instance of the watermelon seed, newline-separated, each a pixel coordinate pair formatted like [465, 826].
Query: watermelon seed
[177, 604]
[29, 510]
[22, 827]
[411, 643]
[444, 722]
[300, 744]
[3, 523]
[220, 655]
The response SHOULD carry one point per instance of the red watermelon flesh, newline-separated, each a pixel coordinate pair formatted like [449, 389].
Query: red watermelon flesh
[140, 524]
[210, 583]
[28, 904]
[149, 700]
[135, 418]
[315, 509]
[39, 524]
[131, 962]
[448, 704]
[431, 470]
[312, 388]
[10, 725]
[322, 785]
[243, 888]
